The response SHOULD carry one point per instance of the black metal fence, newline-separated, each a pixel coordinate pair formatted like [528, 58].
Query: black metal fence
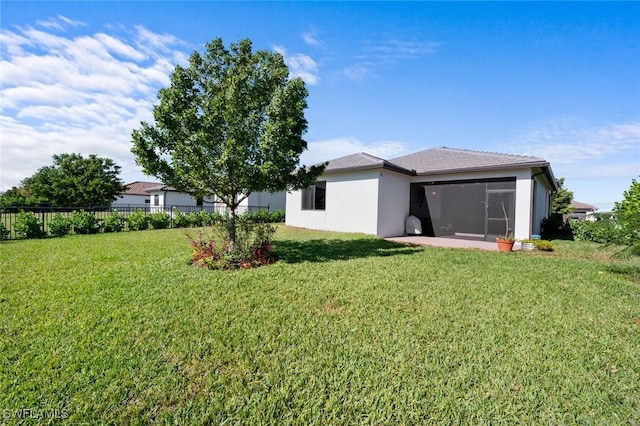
[8, 215]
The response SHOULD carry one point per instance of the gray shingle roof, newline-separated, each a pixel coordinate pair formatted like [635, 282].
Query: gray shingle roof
[362, 161]
[450, 160]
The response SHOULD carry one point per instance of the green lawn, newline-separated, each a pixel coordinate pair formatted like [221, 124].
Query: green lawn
[344, 329]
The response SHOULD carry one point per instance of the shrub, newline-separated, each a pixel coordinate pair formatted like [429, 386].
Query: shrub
[555, 226]
[85, 222]
[253, 247]
[194, 219]
[179, 220]
[606, 231]
[28, 225]
[218, 218]
[259, 216]
[159, 220]
[277, 216]
[138, 221]
[59, 225]
[4, 232]
[115, 222]
[206, 219]
[543, 245]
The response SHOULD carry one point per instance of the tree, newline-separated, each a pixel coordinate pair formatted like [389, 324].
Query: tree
[229, 124]
[630, 205]
[76, 181]
[562, 200]
[19, 196]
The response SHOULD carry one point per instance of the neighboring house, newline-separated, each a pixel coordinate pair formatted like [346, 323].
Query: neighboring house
[135, 195]
[453, 192]
[164, 198]
[582, 211]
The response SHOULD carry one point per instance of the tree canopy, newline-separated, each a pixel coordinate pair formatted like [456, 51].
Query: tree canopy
[74, 181]
[229, 124]
[630, 205]
[562, 200]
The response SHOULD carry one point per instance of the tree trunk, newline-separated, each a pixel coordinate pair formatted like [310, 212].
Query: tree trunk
[232, 230]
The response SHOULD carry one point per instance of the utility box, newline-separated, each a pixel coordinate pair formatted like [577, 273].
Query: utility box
[413, 226]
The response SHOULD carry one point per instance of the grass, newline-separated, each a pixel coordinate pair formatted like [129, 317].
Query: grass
[344, 329]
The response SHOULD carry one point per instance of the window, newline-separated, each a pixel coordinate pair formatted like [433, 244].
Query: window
[199, 201]
[313, 198]
[156, 200]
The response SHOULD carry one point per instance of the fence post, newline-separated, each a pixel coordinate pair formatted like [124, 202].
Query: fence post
[43, 229]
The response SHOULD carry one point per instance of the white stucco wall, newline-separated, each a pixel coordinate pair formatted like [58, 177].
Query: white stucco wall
[275, 201]
[168, 199]
[127, 200]
[393, 203]
[541, 204]
[351, 204]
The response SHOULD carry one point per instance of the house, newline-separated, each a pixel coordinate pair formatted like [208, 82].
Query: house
[582, 211]
[135, 195]
[164, 198]
[453, 192]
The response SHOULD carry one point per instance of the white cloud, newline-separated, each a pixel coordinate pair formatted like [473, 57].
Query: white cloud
[78, 93]
[300, 65]
[571, 142]
[387, 53]
[60, 23]
[310, 38]
[321, 151]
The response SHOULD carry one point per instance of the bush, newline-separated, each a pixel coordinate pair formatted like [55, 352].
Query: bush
[555, 226]
[179, 219]
[277, 216]
[59, 225]
[85, 222]
[4, 232]
[253, 247]
[28, 226]
[159, 220]
[194, 219]
[259, 216]
[543, 245]
[138, 221]
[605, 231]
[115, 222]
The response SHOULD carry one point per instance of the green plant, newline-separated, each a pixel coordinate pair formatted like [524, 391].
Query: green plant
[138, 221]
[278, 216]
[210, 249]
[28, 225]
[115, 222]
[84, 222]
[194, 219]
[159, 220]
[555, 226]
[179, 219]
[543, 245]
[59, 225]
[4, 232]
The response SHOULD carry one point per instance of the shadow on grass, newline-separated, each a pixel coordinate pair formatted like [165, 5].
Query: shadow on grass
[326, 250]
[631, 272]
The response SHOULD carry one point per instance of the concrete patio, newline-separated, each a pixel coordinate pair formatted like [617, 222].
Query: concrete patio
[448, 242]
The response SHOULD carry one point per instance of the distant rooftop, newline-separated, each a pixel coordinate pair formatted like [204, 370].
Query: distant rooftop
[139, 187]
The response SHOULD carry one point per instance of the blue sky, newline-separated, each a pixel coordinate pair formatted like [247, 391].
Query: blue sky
[559, 81]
